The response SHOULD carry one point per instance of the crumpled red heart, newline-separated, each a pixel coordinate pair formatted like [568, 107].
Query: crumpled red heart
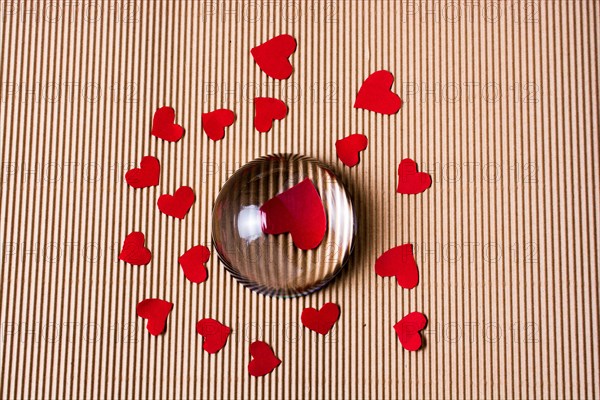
[272, 56]
[156, 312]
[133, 250]
[409, 180]
[215, 334]
[298, 211]
[375, 94]
[192, 263]
[178, 204]
[408, 329]
[147, 175]
[164, 126]
[264, 360]
[323, 320]
[399, 262]
[348, 148]
[215, 122]
[266, 110]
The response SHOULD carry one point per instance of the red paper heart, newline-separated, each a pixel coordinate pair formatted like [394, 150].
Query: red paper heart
[215, 122]
[147, 175]
[156, 312]
[375, 94]
[177, 205]
[348, 148]
[323, 320]
[266, 110]
[408, 330]
[272, 56]
[164, 126]
[192, 263]
[409, 180]
[215, 334]
[264, 360]
[133, 250]
[298, 211]
[399, 262]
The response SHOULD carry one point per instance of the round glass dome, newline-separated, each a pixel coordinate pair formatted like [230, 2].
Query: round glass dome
[274, 264]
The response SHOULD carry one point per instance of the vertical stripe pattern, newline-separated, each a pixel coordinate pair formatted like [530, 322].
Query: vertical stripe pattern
[501, 107]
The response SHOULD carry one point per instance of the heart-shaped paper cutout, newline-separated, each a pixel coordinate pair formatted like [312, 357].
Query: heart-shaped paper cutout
[298, 211]
[323, 320]
[215, 122]
[178, 204]
[272, 56]
[156, 312]
[375, 94]
[147, 175]
[266, 110]
[164, 126]
[133, 250]
[192, 263]
[409, 180]
[349, 148]
[263, 359]
[215, 334]
[399, 262]
[408, 330]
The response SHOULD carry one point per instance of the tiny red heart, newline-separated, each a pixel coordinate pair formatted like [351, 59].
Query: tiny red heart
[375, 94]
[215, 122]
[299, 211]
[215, 334]
[192, 263]
[349, 148]
[266, 110]
[156, 312]
[323, 320]
[164, 126]
[264, 360]
[147, 175]
[409, 180]
[177, 205]
[272, 56]
[408, 330]
[133, 250]
[399, 262]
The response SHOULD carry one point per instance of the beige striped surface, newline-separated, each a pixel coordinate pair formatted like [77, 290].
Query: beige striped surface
[500, 105]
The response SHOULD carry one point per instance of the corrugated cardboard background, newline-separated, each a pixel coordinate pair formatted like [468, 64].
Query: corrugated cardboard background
[501, 107]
